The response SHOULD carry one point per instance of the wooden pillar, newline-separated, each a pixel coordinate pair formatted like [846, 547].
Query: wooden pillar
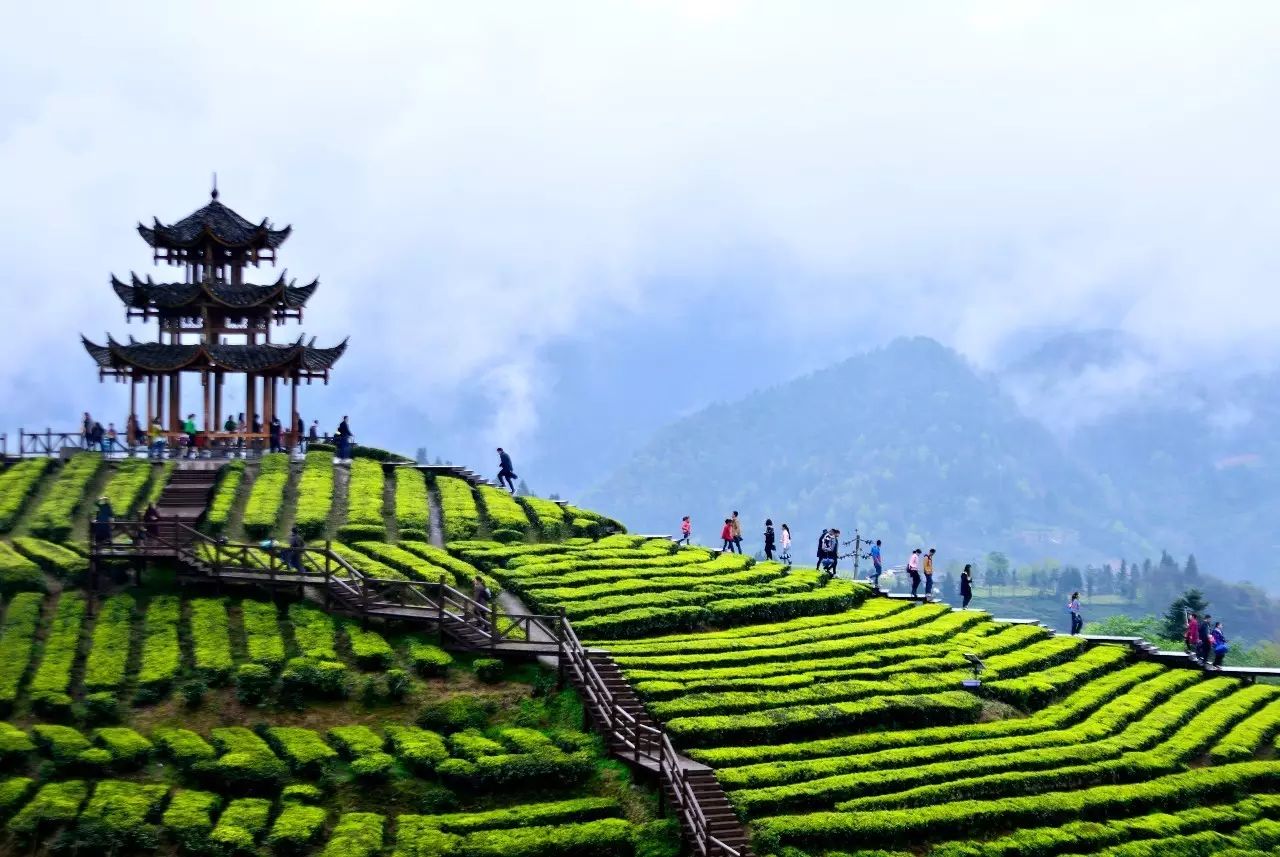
[217, 401]
[175, 401]
[133, 404]
[250, 398]
[294, 428]
[150, 402]
[274, 409]
[207, 379]
[160, 401]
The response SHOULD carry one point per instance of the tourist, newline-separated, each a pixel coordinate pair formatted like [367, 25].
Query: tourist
[96, 437]
[86, 429]
[275, 428]
[299, 433]
[1206, 638]
[828, 547]
[109, 441]
[1192, 636]
[241, 428]
[686, 530]
[506, 471]
[1073, 607]
[102, 517]
[189, 429]
[877, 567]
[480, 594]
[313, 436]
[785, 556]
[132, 433]
[296, 544]
[726, 535]
[343, 435]
[822, 540]
[835, 552]
[230, 425]
[151, 521]
[156, 437]
[768, 538]
[737, 532]
[928, 573]
[1220, 647]
[966, 586]
[913, 569]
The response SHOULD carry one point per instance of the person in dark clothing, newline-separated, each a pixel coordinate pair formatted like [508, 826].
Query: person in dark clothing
[96, 434]
[293, 558]
[102, 517]
[821, 539]
[275, 428]
[480, 595]
[151, 521]
[966, 586]
[828, 548]
[86, 429]
[1219, 641]
[506, 471]
[1206, 627]
[768, 538]
[299, 433]
[1077, 618]
[344, 440]
[313, 434]
[726, 535]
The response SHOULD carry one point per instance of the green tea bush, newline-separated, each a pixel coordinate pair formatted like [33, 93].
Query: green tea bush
[1248, 736]
[230, 476]
[253, 684]
[365, 494]
[303, 749]
[463, 572]
[315, 494]
[102, 707]
[13, 791]
[127, 747]
[429, 660]
[296, 828]
[14, 743]
[412, 511]
[552, 525]
[609, 837]
[458, 712]
[1039, 688]
[314, 631]
[211, 639]
[17, 485]
[55, 803]
[458, 508]
[52, 518]
[266, 498]
[183, 746]
[17, 639]
[357, 834]
[17, 573]
[263, 640]
[116, 816]
[301, 793]
[420, 749]
[53, 675]
[523, 815]
[161, 657]
[105, 667]
[355, 741]
[189, 818]
[245, 764]
[128, 486]
[55, 559]
[371, 650]
[305, 678]
[352, 533]
[240, 825]
[489, 670]
[375, 766]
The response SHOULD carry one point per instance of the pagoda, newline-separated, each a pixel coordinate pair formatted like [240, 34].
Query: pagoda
[214, 323]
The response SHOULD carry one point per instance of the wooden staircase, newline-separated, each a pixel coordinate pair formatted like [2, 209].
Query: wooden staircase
[187, 494]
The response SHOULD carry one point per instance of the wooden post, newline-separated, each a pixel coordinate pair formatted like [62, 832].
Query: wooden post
[159, 414]
[175, 401]
[217, 401]
[293, 413]
[206, 379]
[273, 396]
[440, 605]
[250, 398]
[133, 407]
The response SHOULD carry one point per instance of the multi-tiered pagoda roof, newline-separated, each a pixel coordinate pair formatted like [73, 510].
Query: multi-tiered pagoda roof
[304, 359]
[217, 223]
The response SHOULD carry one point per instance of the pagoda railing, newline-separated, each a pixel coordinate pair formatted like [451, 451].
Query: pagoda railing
[50, 444]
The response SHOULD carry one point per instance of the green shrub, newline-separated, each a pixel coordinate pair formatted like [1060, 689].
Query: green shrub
[102, 707]
[266, 498]
[371, 650]
[420, 749]
[14, 743]
[211, 640]
[458, 508]
[55, 803]
[161, 657]
[352, 533]
[542, 769]
[245, 763]
[503, 511]
[550, 516]
[53, 676]
[116, 815]
[523, 815]
[183, 746]
[355, 741]
[412, 511]
[301, 793]
[127, 748]
[105, 667]
[160, 480]
[609, 837]
[489, 670]
[296, 828]
[17, 639]
[642, 621]
[417, 836]
[189, 818]
[13, 791]
[253, 684]
[315, 494]
[17, 485]
[303, 749]
[313, 630]
[365, 494]
[1248, 736]
[397, 685]
[240, 825]
[357, 834]
[262, 633]
[458, 712]
[429, 659]
[55, 559]
[192, 691]
[52, 518]
[17, 573]
[224, 497]
[304, 678]
[375, 766]
[127, 486]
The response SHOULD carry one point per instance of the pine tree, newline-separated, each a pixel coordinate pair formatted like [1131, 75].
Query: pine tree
[421, 457]
[522, 489]
[1175, 618]
[439, 462]
[1191, 571]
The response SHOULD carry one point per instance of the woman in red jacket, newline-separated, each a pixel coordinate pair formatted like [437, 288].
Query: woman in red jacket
[727, 534]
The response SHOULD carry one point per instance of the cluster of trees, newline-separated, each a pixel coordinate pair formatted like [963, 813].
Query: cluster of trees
[1130, 581]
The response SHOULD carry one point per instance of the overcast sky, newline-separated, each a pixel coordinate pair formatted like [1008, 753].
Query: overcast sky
[480, 188]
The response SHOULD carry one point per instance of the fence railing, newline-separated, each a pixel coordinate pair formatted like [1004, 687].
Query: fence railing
[212, 444]
[433, 600]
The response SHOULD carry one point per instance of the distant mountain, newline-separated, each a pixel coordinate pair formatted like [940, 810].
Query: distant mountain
[908, 443]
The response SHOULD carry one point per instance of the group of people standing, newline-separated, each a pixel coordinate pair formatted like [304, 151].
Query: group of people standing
[1204, 640]
[156, 438]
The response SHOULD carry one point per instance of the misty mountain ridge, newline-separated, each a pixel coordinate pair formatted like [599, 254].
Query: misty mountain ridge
[910, 444]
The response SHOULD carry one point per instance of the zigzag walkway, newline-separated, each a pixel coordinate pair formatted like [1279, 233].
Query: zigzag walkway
[612, 707]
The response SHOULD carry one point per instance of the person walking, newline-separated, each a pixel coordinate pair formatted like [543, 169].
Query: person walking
[110, 439]
[86, 429]
[133, 433]
[928, 573]
[299, 434]
[189, 429]
[785, 556]
[102, 517]
[313, 434]
[155, 436]
[966, 586]
[737, 532]
[726, 535]
[835, 551]
[1073, 607]
[96, 435]
[1220, 647]
[686, 530]
[877, 567]
[296, 544]
[506, 471]
[151, 521]
[1206, 638]
[344, 441]
[1192, 636]
[828, 547]
[822, 540]
[274, 429]
[768, 539]
[913, 569]
[480, 594]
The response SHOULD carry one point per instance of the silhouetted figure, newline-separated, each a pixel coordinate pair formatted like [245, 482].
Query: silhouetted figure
[768, 538]
[506, 471]
[966, 586]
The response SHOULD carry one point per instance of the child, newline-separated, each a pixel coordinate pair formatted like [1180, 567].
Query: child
[726, 533]
[686, 530]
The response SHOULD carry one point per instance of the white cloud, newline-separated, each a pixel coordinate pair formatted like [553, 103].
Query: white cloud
[473, 185]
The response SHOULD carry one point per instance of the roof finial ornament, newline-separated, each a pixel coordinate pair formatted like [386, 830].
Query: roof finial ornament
[213, 194]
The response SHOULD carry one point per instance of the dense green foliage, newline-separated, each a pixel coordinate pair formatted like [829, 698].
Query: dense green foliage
[230, 476]
[52, 518]
[262, 511]
[315, 495]
[457, 508]
[17, 484]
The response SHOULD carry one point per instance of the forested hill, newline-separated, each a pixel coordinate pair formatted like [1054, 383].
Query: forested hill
[907, 442]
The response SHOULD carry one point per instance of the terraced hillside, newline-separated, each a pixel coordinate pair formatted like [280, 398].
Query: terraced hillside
[835, 721]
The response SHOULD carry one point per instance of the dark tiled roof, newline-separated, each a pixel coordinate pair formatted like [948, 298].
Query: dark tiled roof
[217, 222]
[144, 293]
[158, 357]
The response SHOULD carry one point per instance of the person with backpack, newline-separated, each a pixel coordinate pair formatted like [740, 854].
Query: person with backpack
[877, 567]
[1206, 638]
[103, 515]
[1220, 647]
[1191, 638]
[966, 586]
[822, 538]
[686, 530]
[768, 538]
[828, 549]
[1073, 607]
[737, 532]
[913, 569]
[785, 556]
[726, 535]
[344, 441]
[481, 595]
[928, 573]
